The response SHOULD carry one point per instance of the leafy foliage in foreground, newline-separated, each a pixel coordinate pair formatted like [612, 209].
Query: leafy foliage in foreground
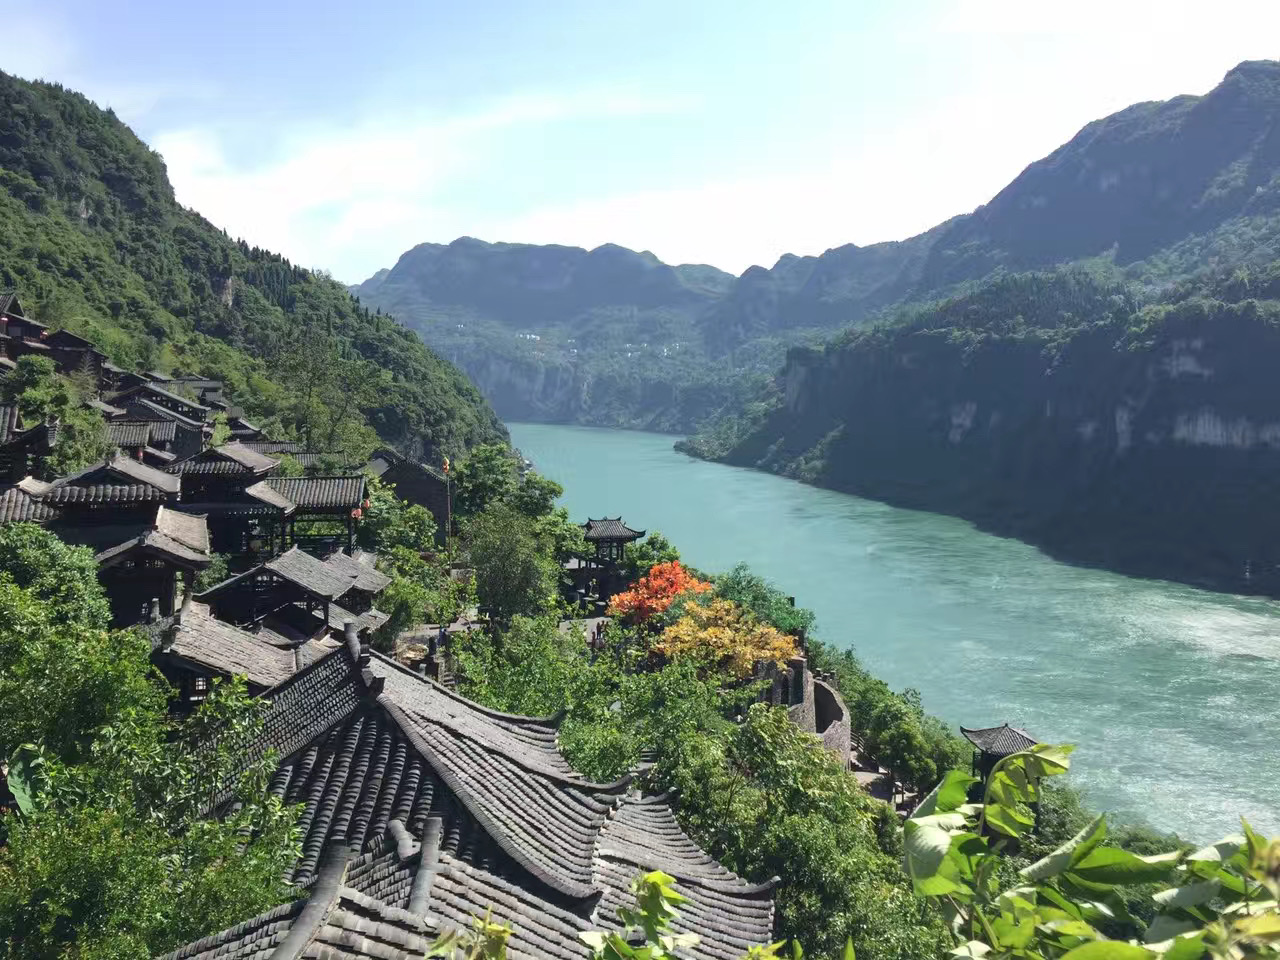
[1220, 901]
[109, 853]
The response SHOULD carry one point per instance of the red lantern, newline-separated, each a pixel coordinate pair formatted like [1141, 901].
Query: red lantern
[356, 513]
[366, 503]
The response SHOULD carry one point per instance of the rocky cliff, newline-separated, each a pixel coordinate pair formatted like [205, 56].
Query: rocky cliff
[1146, 439]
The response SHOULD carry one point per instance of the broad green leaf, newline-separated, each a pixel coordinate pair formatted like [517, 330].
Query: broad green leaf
[1185, 948]
[1109, 865]
[973, 949]
[1190, 895]
[925, 855]
[1164, 928]
[848, 950]
[953, 791]
[1221, 851]
[25, 776]
[1072, 851]
[1265, 925]
[1108, 950]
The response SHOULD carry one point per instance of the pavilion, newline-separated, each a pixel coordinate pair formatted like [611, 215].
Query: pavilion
[993, 744]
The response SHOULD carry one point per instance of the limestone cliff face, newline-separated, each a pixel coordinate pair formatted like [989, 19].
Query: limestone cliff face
[1155, 451]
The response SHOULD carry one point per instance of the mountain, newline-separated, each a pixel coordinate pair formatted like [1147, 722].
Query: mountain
[1058, 408]
[1156, 192]
[93, 240]
[607, 336]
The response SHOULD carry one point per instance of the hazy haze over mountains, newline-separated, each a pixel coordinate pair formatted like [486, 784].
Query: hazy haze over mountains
[1156, 191]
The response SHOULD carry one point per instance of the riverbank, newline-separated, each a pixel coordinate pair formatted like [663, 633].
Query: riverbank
[1166, 688]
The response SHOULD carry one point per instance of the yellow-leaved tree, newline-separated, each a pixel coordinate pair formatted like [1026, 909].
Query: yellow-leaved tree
[726, 635]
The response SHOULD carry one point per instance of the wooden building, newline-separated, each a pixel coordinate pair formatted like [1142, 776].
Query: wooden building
[419, 484]
[993, 744]
[141, 575]
[423, 809]
[325, 511]
[191, 648]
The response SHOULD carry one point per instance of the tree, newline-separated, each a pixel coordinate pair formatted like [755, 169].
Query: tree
[655, 592]
[1219, 901]
[644, 555]
[514, 575]
[62, 577]
[764, 600]
[488, 475]
[391, 522]
[721, 633]
[41, 395]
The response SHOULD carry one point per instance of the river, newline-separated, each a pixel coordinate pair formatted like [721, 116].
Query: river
[1171, 693]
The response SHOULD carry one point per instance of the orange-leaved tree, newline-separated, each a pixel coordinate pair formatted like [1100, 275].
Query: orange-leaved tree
[655, 592]
[725, 635]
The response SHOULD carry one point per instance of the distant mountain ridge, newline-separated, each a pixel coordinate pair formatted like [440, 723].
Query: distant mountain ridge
[1153, 193]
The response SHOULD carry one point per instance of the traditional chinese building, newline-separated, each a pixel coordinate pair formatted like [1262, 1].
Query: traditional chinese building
[993, 744]
[141, 575]
[419, 484]
[424, 810]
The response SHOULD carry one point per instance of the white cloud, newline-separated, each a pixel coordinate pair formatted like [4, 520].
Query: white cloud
[353, 199]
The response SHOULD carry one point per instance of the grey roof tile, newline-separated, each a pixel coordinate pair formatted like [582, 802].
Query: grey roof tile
[999, 741]
[321, 493]
[299, 567]
[609, 528]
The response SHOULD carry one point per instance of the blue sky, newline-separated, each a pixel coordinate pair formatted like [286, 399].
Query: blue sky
[706, 131]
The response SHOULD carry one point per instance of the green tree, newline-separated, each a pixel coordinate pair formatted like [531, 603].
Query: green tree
[42, 395]
[513, 573]
[643, 555]
[487, 476]
[62, 577]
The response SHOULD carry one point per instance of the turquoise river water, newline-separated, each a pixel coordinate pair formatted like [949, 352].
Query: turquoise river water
[1171, 693]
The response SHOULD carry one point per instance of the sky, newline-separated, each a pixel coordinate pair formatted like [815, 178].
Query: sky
[726, 132]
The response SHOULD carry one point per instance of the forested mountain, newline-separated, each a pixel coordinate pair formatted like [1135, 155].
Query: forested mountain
[1152, 194]
[1058, 408]
[93, 240]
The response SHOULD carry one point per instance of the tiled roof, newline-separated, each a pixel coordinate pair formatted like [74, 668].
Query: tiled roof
[187, 528]
[230, 459]
[729, 914]
[17, 506]
[121, 468]
[299, 567]
[999, 741]
[155, 389]
[104, 493]
[365, 576]
[195, 635]
[106, 409]
[140, 407]
[267, 494]
[335, 922]
[384, 460]
[155, 542]
[274, 446]
[458, 808]
[321, 493]
[607, 528]
[371, 619]
[130, 433]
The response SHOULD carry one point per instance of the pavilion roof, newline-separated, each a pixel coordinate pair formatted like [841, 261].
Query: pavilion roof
[333, 920]
[454, 807]
[274, 446]
[321, 493]
[230, 459]
[131, 433]
[104, 408]
[181, 538]
[117, 472]
[609, 528]
[195, 635]
[367, 578]
[264, 492]
[299, 567]
[999, 741]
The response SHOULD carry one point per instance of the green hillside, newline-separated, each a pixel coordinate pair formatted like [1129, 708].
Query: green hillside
[92, 239]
